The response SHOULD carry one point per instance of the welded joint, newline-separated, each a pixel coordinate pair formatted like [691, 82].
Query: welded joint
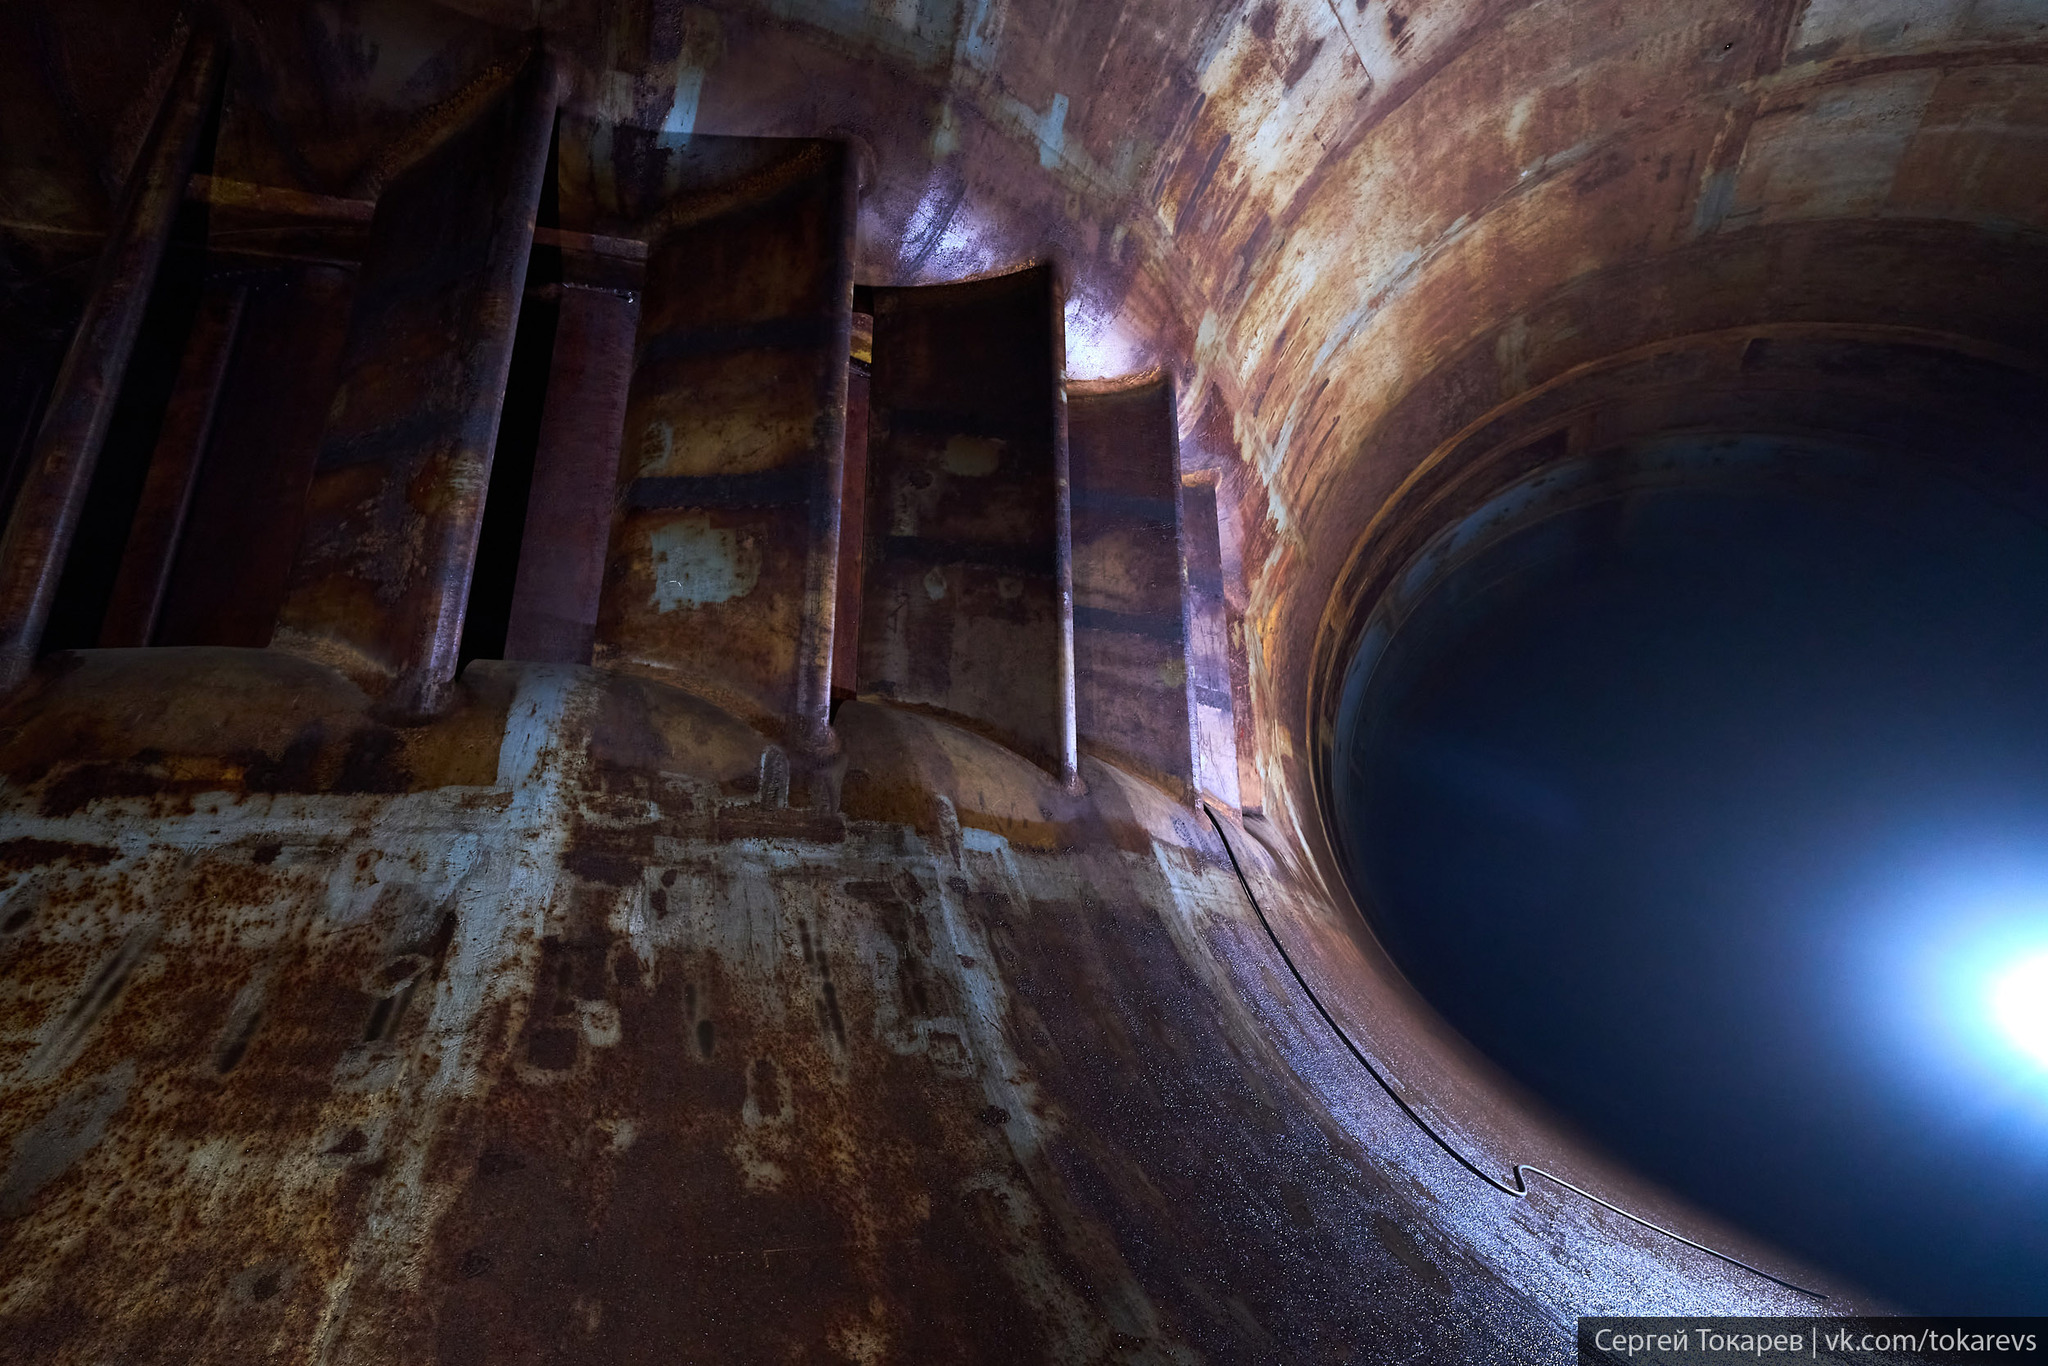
[1517, 1184]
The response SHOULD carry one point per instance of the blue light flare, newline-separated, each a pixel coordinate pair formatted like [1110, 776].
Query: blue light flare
[2019, 1002]
[1954, 985]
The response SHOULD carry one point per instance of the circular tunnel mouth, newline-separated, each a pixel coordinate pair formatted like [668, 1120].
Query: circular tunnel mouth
[1700, 780]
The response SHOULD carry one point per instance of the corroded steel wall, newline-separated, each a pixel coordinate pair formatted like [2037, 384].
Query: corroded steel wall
[544, 1031]
[968, 605]
[548, 1029]
[1131, 643]
[724, 554]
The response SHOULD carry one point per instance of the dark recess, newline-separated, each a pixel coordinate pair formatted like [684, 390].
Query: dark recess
[94, 560]
[488, 615]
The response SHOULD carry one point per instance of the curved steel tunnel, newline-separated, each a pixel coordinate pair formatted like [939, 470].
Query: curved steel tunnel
[872, 916]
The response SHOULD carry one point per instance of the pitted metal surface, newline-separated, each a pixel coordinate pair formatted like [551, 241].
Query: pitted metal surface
[601, 1055]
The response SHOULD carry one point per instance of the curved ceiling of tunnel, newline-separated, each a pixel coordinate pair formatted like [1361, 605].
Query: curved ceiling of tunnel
[1354, 229]
[1312, 211]
[1305, 206]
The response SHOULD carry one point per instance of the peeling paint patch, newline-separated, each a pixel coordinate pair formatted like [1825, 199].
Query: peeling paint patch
[1052, 132]
[696, 563]
[978, 35]
[657, 447]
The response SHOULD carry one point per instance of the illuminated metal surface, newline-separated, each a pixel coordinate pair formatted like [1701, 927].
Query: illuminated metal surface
[584, 1021]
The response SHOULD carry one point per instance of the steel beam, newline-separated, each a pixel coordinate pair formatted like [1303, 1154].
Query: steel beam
[67, 448]
[569, 511]
[968, 606]
[138, 595]
[1209, 656]
[1133, 704]
[397, 501]
[724, 555]
[228, 576]
[853, 518]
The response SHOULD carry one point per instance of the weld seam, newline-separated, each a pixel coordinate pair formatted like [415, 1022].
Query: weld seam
[1520, 1187]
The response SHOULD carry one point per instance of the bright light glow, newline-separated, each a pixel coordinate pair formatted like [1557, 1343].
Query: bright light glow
[1943, 983]
[2019, 1001]
[1098, 347]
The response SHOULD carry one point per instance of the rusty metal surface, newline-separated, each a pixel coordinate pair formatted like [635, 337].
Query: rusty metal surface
[853, 503]
[138, 594]
[575, 475]
[1393, 258]
[398, 489]
[46, 508]
[1132, 698]
[723, 565]
[967, 606]
[579, 1044]
[1209, 651]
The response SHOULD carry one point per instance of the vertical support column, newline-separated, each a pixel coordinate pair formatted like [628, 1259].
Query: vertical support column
[853, 510]
[46, 511]
[1250, 785]
[173, 471]
[1131, 657]
[398, 490]
[1063, 539]
[967, 605]
[724, 555]
[1209, 684]
[575, 474]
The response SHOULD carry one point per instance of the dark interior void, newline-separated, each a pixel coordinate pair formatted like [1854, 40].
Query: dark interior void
[1705, 789]
[488, 615]
[94, 561]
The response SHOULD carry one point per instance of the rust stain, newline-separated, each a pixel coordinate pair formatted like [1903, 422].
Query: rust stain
[598, 1016]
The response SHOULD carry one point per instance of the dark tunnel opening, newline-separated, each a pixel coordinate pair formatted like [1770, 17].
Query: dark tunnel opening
[1703, 786]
